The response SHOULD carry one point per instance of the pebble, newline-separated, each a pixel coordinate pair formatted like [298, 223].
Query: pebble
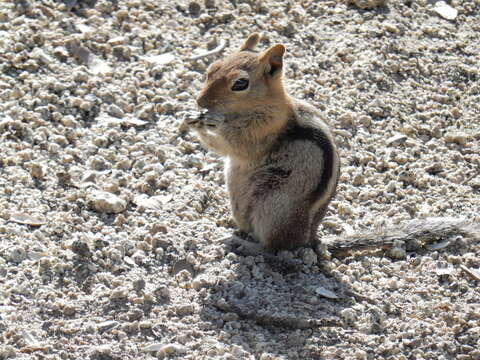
[210, 4]
[459, 138]
[185, 310]
[167, 350]
[194, 8]
[162, 59]
[17, 254]
[114, 110]
[138, 284]
[81, 248]
[445, 10]
[28, 219]
[346, 120]
[368, 4]
[398, 250]
[309, 257]
[359, 179]
[105, 202]
[118, 40]
[325, 293]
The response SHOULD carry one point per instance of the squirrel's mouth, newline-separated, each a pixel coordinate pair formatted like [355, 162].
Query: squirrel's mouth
[212, 119]
[209, 119]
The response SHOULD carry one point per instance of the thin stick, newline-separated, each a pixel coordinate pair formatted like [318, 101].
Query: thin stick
[472, 273]
[219, 48]
[470, 178]
[6, 248]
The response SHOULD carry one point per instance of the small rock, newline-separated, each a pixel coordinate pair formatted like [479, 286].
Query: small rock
[325, 293]
[39, 54]
[309, 257]
[359, 179]
[365, 120]
[367, 4]
[105, 202]
[360, 355]
[114, 110]
[81, 248]
[343, 133]
[134, 121]
[119, 40]
[201, 282]
[98, 66]
[162, 59]
[171, 349]
[438, 245]
[390, 28]
[194, 8]
[153, 347]
[98, 163]
[210, 4]
[139, 257]
[475, 183]
[122, 52]
[138, 284]
[434, 169]
[162, 292]
[459, 138]
[101, 352]
[346, 120]
[443, 269]
[27, 219]
[69, 309]
[398, 250]
[17, 254]
[115, 255]
[456, 113]
[182, 265]
[135, 314]
[445, 10]
[184, 310]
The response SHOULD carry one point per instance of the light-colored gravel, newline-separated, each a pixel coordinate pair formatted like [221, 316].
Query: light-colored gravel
[112, 215]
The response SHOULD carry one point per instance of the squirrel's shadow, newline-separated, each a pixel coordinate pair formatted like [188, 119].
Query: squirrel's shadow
[255, 301]
[259, 303]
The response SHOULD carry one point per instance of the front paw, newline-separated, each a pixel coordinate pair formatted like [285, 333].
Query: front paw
[213, 119]
[201, 120]
[194, 120]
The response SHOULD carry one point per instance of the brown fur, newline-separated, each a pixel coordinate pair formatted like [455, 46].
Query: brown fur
[282, 165]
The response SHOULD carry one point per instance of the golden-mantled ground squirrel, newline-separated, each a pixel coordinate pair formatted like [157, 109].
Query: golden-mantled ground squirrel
[282, 164]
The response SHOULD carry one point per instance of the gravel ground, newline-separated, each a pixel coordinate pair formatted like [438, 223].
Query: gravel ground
[112, 215]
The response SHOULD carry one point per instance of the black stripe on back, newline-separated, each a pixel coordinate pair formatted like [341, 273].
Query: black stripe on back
[319, 138]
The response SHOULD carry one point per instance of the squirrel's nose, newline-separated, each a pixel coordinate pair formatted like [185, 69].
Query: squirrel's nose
[202, 101]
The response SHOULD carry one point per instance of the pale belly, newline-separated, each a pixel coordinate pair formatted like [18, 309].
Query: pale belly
[241, 194]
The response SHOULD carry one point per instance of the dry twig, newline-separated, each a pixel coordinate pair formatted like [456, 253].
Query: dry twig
[218, 49]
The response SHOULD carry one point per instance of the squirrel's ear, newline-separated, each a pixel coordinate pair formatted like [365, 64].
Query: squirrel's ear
[273, 57]
[251, 42]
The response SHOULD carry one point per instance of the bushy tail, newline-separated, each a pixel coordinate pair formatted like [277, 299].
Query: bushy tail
[414, 234]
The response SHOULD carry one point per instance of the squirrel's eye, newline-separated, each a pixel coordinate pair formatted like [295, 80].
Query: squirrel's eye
[240, 85]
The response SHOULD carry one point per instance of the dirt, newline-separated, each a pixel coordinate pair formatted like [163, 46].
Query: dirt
[114, 221]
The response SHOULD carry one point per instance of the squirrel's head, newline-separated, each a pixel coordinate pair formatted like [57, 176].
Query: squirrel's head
[244, 80]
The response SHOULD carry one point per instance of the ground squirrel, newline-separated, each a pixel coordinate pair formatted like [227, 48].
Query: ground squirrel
[282, 164]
